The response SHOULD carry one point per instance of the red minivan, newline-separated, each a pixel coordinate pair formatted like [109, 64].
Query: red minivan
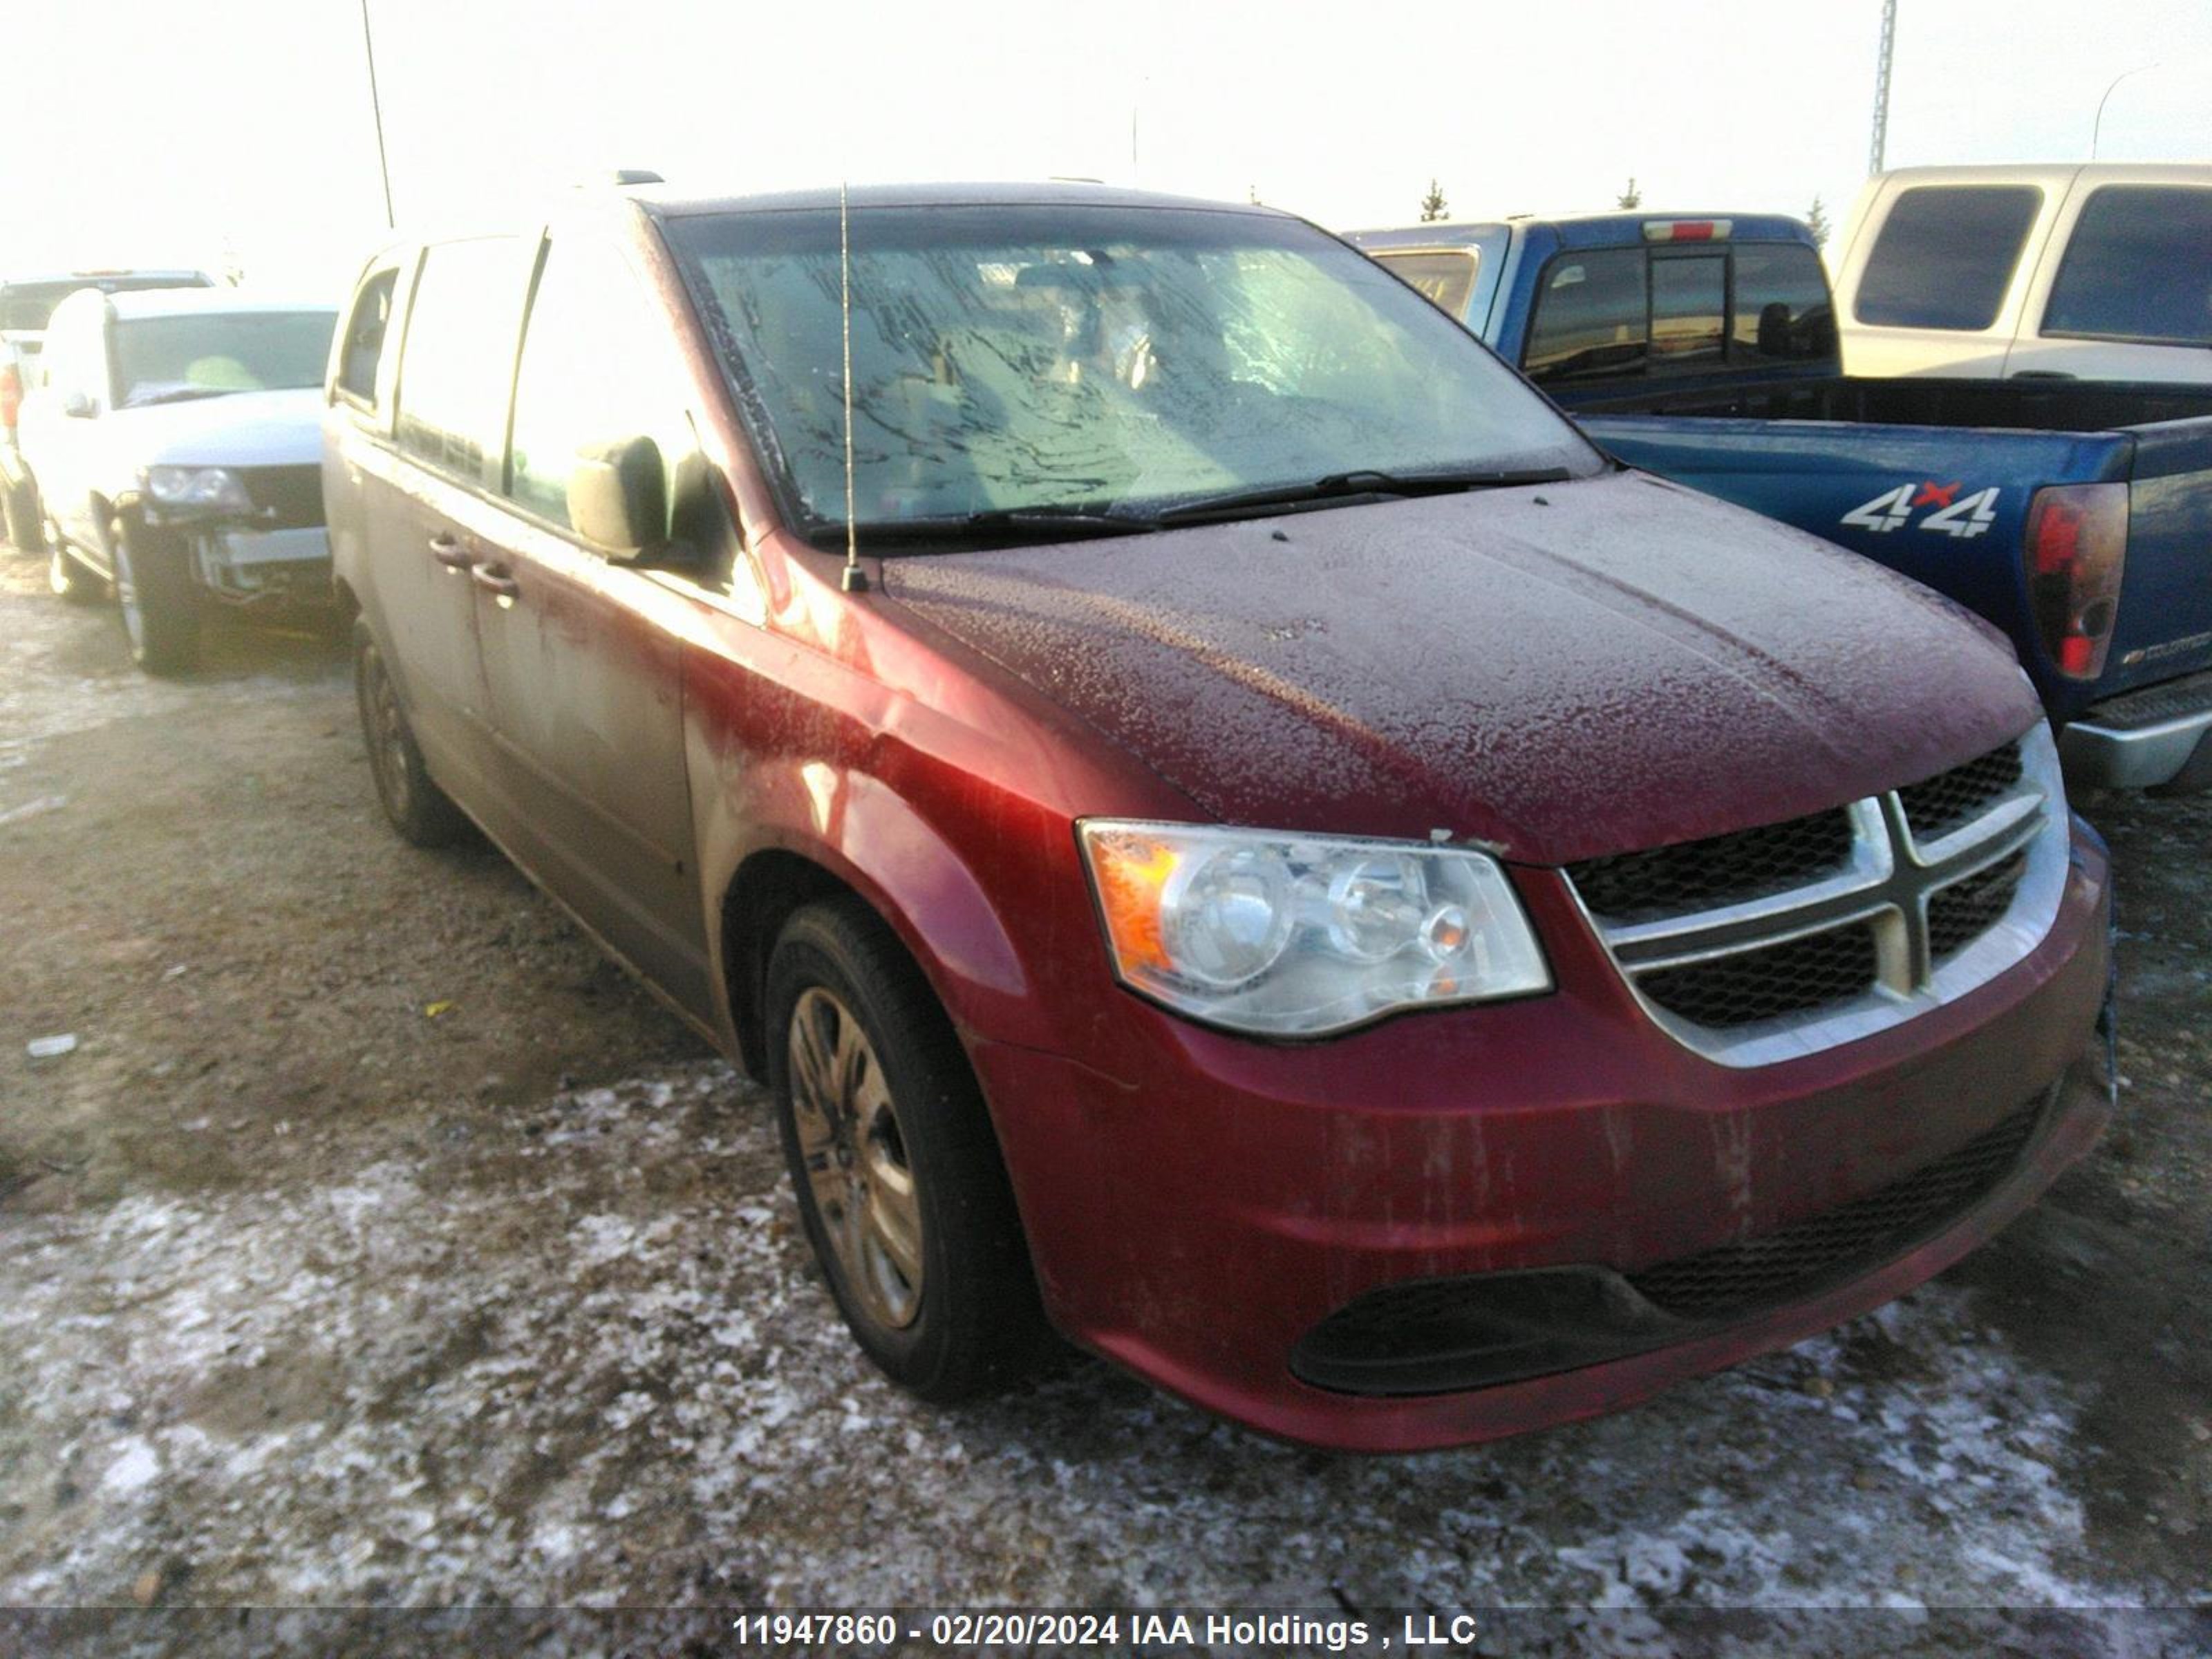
[1228, 827]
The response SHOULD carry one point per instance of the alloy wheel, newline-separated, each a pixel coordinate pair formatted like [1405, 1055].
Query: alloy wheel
[855, 1158]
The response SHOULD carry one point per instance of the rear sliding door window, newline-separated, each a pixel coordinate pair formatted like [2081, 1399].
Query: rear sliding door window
[460, 356]
[1443, 276]
[1591, 317]
[2139, 267]
[1946, 255]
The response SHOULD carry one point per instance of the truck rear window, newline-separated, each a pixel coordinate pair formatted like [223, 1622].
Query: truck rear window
[1782, 307]
[1593, 316]
[2136, 268]
[1946, 255]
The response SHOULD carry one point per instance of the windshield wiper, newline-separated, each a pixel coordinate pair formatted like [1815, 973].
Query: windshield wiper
[1338, 486]
[999, 524]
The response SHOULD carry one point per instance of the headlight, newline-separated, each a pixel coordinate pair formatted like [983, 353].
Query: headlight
[1301, 935]
[216, 488]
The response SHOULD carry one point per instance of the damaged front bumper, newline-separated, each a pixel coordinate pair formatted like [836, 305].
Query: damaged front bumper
[250, 566]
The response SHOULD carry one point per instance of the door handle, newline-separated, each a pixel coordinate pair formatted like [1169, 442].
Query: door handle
[495, 580]
[449, 551]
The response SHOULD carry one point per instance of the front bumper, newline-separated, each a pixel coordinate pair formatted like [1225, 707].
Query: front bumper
[247, 567]
[1201, 1214]
[2140, 740]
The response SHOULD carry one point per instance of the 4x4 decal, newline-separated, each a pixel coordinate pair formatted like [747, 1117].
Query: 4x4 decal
[1954, 514]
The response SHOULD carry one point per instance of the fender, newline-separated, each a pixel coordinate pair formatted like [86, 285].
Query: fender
[862, 833]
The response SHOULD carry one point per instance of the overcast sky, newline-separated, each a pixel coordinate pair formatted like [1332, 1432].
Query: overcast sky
[154, 131]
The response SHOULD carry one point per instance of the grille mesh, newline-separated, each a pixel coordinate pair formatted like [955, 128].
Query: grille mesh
[1937, 806]
[1795, 1259]
[291, 496]
[1727, 869]
[1964, 911]
[1769, 982]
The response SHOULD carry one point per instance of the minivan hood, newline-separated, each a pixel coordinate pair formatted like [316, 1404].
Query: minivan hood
[239, 429]
[1561, 673]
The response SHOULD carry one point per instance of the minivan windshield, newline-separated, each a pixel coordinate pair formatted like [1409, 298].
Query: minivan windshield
[207, 354]
[1012, 361]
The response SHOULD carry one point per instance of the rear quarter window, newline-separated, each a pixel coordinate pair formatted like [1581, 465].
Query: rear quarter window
[1443, 277]
[364, 336]
[1945, 256]
[2138, 267]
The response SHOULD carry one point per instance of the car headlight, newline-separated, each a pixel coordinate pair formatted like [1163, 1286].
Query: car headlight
[1293, 935]
[215, 488]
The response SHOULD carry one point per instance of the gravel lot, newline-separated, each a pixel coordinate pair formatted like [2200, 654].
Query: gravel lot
[379, 1244]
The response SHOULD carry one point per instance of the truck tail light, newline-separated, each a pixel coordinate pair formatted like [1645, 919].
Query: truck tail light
[2077, 543]
[11, 396]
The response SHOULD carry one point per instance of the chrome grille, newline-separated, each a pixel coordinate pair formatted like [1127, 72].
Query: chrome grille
[1740, 866]
[1937, 806]
[1770, 981]
[1762, 944]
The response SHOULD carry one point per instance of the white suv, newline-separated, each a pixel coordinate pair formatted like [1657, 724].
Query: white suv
[175, 435]
[2097, 271]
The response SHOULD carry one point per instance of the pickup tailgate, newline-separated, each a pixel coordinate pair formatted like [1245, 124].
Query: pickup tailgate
[1948, 507]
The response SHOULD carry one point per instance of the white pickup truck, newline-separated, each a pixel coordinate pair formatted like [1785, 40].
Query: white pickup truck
[2086, 271]
[174, 437]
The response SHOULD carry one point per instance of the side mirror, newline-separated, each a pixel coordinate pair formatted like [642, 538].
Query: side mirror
[78, 406]
[619, 497]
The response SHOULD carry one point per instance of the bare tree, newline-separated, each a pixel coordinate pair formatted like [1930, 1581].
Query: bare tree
[1432, 204]
[1630, 197]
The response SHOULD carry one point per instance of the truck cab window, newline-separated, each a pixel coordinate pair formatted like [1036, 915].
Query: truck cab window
[1946, 255]
[2136, 268]
[1591, 317]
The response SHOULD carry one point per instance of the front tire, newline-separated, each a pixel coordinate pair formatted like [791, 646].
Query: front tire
[69, 579]
[418, 809]
[155, 598]
[900, 1185]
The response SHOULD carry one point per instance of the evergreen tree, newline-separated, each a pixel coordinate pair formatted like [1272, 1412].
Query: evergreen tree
[1630, 197]
[1432, 204]
[1816, 220]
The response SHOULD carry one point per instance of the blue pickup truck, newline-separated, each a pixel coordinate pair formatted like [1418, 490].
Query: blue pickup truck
[2074, 515]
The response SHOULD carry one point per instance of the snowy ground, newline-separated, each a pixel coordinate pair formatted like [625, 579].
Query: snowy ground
[310, 1299]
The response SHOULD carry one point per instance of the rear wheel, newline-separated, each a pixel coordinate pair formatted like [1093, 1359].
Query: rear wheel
[900, 1185]
[155, 598]
[19, 504]
[421, 812]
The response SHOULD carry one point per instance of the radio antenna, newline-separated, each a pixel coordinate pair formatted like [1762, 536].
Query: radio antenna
[855, 579]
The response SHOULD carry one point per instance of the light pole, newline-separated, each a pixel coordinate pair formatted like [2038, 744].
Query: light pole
[376, 108]
[1881, 86]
